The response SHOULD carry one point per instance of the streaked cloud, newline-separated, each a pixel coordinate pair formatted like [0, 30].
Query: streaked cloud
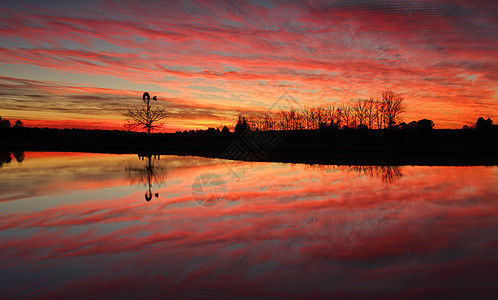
[440, 56]
[338, 226]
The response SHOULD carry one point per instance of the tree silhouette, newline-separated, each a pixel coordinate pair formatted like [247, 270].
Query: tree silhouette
[352, 114]
[392, 106]
[425, 124]
[4, 123]
[225, 130]
[18, 124]
[146, 117]
[241, 125]
[268, 122]
[484, 124]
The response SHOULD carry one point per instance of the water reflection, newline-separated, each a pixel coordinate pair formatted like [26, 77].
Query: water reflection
[388, 174]
[6, 157]
[149, 174]
[72, 228]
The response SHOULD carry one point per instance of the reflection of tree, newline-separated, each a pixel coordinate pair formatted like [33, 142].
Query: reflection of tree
[18, 155]
[149, 175]
[388, 174]
[6, 157]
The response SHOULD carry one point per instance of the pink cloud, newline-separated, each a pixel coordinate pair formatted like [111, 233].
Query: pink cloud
[441, 57]
[339, 227]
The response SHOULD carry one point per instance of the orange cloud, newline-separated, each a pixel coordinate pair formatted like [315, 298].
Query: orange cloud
[329, 228]
[239, 57]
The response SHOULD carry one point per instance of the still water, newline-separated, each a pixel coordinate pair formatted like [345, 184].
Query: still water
[100, 226]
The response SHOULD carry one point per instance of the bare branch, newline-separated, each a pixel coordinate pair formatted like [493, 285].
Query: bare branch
[145, 117]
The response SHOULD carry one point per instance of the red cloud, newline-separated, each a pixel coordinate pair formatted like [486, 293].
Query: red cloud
[440, 56]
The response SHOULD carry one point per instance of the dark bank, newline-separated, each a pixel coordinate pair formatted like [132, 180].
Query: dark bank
[373, 147]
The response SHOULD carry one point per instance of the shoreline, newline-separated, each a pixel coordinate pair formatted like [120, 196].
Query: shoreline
[344, 147]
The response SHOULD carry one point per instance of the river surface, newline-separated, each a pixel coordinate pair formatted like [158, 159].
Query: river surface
[101, 226]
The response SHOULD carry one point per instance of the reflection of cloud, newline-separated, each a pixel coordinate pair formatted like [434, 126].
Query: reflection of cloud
[284, 230]
[51, 173]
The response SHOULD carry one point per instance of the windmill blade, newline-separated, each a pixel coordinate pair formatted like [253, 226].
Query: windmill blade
[146, 97]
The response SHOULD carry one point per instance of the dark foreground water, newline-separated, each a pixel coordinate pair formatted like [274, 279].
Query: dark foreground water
[95, 226]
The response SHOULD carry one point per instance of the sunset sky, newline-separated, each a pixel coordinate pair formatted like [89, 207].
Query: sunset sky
[81, 64]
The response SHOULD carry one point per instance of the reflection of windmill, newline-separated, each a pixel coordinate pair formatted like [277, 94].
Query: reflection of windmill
[149, 175]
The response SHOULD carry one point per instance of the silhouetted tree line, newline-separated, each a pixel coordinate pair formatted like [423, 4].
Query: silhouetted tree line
[209, 131]
[8, 130]
[353, 114]
[4, 123]
[423, 124]
[482, 124]
[368, 113]
[52, 136]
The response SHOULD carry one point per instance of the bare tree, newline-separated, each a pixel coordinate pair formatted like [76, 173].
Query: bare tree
[329, 115]
[346, 114]
[360, 113]
[254, 122]
[312, 118]
[392, 107]
[146, 117]
[320, 116]
[378, 115]
[284, 120]
[370, 113]
[292, 119]
[269, 122]
[360, 109]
